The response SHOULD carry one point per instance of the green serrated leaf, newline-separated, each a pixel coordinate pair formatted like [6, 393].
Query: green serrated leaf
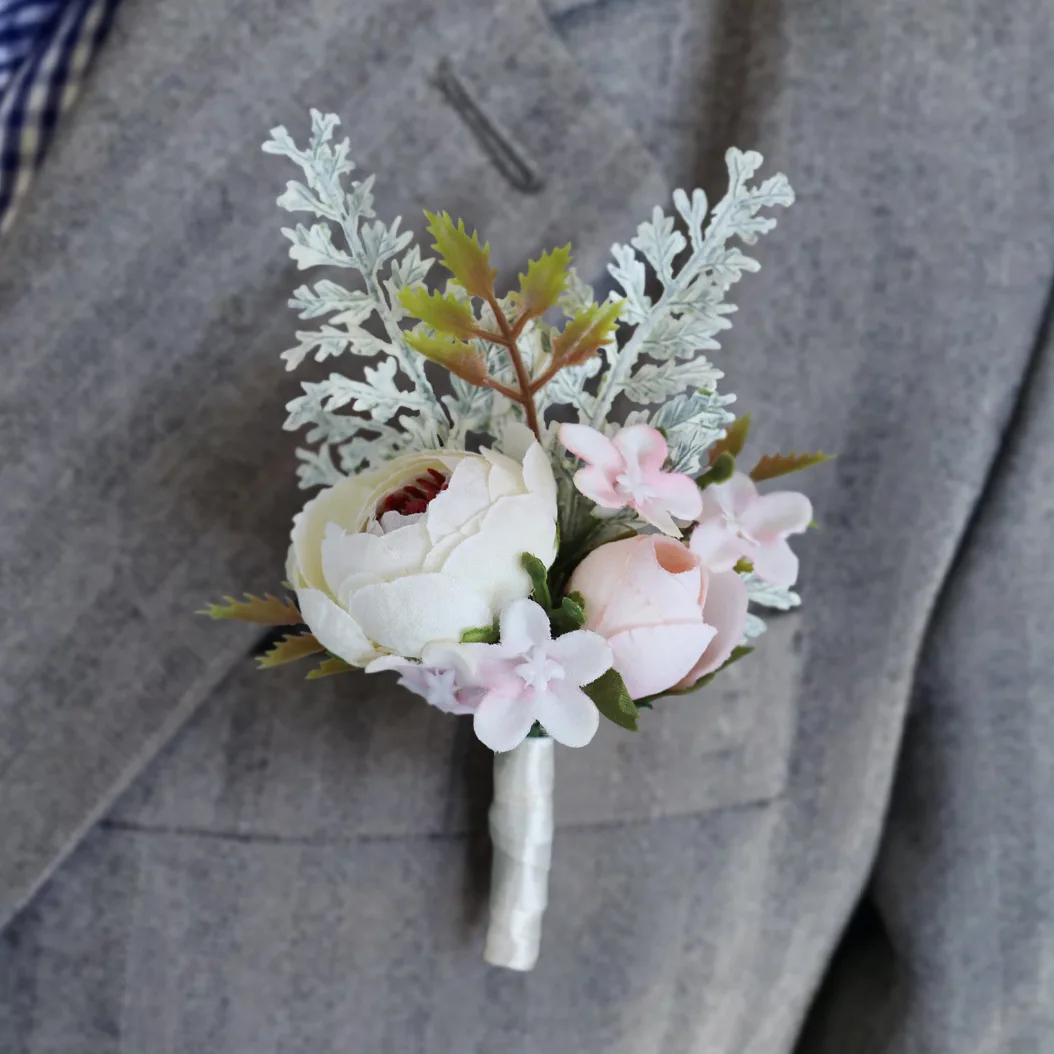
[539, 575]
[329, 667]
[266, 611]
[570, 615]
[461, 359]
[585, 332]
[481, 635]
[724, 465]
[462, 255]
[289, 649]
[544, 282]
[441, 311]
[735, 437]
[773, 465]
[613, 700]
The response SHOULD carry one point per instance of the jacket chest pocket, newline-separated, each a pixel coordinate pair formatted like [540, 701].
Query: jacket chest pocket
[727, 744]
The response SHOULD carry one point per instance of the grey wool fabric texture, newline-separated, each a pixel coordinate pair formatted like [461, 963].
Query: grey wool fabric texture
[842, 846]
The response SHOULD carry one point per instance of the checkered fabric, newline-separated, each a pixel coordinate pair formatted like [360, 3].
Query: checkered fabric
[45, 49]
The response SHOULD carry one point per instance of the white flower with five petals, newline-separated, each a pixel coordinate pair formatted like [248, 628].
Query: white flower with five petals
[529, 677]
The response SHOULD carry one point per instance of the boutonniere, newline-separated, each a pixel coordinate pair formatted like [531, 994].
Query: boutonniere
[532, 510]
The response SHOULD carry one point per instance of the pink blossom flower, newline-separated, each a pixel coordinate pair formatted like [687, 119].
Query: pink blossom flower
[530, 677]
[627, 470]
[668, 619]
[441, 687]
[738, 523]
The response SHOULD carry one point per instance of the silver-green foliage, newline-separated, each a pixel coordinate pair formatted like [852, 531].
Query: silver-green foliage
[657, 367]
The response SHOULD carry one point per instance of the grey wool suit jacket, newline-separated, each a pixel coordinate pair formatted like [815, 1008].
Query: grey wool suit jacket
[844, 846]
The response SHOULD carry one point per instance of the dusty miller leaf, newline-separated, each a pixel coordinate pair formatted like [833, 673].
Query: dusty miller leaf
[659, 242]
[371, 246]
[657, 383]
[768, 595]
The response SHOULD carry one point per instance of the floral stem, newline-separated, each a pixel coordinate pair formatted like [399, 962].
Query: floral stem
[553, 369]
[509, 393]
[523, 381]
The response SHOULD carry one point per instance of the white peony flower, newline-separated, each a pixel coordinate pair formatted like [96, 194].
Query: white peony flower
[421, 549]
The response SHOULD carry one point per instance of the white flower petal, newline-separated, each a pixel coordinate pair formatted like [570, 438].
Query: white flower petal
[473, 662]
[642, 446]
[438, 555]
[385, 556]
[657, 515]
[466, 496]
[524, 625]
[502, 721]
[516, 440]
[778, 514]
[409, 613]
[538, 475]
[737, 494]
[776, 563]
[389, 662]
[334, 628]
[505, 476]
[717, 546]
[490, 561]
[584, 655]
[567, 714]
[292, 569]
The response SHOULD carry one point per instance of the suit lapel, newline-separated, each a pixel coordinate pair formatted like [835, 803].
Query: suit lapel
[143, 291]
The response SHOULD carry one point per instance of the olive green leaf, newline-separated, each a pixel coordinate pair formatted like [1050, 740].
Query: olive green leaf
[267, 611]
[544, 281]
[613, 700]
[773, 465]
[289, 649]
[481, 635]
[461, 359]
[329, 667]
[570, 615]
[585, 332]
[539, 579]
[719, 472]
[441, 311]
[462, 255]
[735, 437]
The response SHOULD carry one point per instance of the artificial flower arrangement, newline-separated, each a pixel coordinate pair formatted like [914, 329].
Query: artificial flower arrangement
[487, 530]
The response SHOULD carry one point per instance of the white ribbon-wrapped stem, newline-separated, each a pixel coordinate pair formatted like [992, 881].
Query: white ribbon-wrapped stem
[521, 828]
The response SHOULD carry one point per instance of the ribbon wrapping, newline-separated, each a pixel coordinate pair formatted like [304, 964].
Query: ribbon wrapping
[521, 830]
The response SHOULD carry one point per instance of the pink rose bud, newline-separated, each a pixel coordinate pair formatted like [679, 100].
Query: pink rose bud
[668, 619]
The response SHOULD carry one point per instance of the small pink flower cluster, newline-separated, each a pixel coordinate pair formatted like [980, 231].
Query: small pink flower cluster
[671, 612]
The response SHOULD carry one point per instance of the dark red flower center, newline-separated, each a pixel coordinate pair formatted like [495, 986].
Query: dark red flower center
[415, 496]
